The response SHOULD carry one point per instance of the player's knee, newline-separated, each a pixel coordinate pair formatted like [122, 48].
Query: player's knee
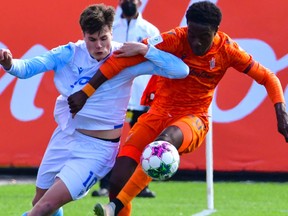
[173, 135]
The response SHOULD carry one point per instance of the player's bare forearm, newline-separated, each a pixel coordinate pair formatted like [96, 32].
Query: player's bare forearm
[282, 119]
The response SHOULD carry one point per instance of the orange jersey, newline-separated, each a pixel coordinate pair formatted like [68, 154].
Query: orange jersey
[193, 94]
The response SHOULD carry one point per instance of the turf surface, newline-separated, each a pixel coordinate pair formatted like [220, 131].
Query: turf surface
[173, 199]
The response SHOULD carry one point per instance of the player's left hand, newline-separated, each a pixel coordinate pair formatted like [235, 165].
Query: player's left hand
[282, 119]
[76, 101]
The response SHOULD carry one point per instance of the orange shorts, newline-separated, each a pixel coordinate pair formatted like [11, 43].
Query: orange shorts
[149, 126]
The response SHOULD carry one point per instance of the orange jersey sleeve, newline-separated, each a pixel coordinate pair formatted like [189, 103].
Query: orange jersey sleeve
[244, 62]
[269, 80]
[114, 65]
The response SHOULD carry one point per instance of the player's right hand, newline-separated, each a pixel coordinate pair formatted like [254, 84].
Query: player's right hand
[76, 101]
[6, 58]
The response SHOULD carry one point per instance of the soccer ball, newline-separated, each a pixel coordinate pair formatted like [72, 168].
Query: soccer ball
[160, 160]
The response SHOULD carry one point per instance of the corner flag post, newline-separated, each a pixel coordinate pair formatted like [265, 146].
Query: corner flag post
[209, 171]
[209, 164]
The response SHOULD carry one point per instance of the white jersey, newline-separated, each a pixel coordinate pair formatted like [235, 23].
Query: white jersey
[74, 67]
[136, 30]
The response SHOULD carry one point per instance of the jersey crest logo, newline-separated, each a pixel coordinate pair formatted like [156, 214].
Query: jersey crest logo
[155, 40]
[212, 63]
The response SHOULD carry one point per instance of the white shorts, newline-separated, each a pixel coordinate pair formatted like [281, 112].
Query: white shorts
[78, 160]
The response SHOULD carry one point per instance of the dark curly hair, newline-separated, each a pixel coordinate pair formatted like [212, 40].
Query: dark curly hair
[204, 12]
[95, 17]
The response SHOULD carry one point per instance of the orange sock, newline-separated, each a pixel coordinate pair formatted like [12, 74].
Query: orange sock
[137, 182]
[126, 210]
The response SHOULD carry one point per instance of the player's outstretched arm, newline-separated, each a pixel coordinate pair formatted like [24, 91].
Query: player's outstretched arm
[275, 92]
[282, 119]
[6, 59]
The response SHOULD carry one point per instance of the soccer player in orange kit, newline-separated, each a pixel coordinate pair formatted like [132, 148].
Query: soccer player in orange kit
[179, 111]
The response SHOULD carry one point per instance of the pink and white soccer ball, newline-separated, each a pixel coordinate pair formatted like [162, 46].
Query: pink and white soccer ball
[160, 160]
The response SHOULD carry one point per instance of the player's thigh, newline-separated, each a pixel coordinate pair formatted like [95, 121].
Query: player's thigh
[193, 130]
[141, 134]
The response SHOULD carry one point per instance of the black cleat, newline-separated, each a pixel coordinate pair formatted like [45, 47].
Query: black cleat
[147, 193]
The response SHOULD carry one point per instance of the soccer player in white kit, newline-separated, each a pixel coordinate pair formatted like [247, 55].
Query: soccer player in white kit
[83, 148]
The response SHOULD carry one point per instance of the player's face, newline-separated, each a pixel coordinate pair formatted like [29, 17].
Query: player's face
[99, 43]
[200, 38]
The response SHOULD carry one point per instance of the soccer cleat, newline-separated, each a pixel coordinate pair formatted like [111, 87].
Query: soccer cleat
[104, 210]
[59, 212]
[146, 193]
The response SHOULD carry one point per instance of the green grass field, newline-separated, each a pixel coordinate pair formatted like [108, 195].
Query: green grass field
[173, 199]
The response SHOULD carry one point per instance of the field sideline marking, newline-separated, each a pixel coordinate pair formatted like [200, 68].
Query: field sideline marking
[205, 212]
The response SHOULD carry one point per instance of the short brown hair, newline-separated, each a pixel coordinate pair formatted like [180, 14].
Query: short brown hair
[95, 17]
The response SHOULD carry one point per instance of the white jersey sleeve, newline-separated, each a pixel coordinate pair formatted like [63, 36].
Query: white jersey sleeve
[51, 60]
[169, 65]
